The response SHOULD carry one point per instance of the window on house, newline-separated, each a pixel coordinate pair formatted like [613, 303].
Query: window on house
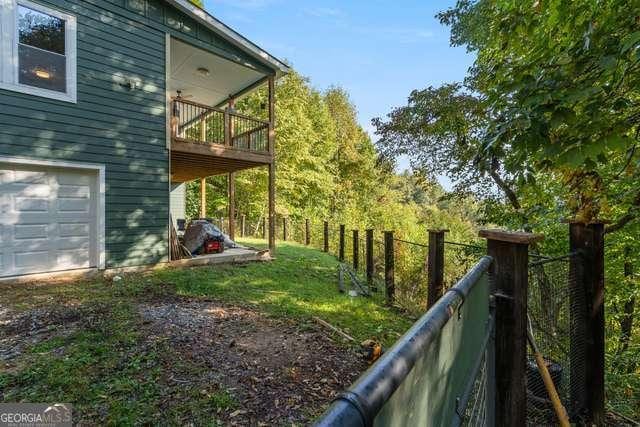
[39, 53]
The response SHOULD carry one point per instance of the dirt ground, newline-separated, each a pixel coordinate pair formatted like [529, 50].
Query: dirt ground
[278, 372]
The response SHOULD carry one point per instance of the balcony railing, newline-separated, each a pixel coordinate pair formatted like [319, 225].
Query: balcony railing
[200, 124]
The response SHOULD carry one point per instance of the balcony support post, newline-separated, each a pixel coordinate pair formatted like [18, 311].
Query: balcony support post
[203, 197]
[231, 182]
[272, 165]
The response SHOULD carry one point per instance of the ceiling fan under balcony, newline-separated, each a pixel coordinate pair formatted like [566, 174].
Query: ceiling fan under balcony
[179, 96]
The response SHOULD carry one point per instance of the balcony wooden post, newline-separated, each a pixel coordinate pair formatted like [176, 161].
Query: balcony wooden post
[203, 128]
[231, 183]
[229, 119]
[272, 165]
[227, 128]
[203, 197]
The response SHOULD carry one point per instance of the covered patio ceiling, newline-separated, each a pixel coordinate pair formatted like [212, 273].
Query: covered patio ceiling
[206, 78]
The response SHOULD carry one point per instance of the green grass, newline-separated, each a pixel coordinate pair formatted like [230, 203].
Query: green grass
[104, 371]
[300, 284]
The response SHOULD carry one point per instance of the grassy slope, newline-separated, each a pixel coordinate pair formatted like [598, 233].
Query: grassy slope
[101, 368]
[300, 284]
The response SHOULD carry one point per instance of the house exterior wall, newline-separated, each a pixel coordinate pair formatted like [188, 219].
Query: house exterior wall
[123, 129]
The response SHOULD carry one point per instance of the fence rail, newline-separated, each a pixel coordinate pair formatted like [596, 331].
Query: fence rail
[405, 384]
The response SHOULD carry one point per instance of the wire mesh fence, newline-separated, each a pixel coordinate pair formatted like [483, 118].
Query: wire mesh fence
[459, 258]
[411, 281]
[475, 414]
[555, 319]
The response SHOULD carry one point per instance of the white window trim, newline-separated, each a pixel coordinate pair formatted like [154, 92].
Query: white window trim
[99, 170]
[9, 50]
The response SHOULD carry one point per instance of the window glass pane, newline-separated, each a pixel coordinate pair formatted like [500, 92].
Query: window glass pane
[40, 30]
[42, 69]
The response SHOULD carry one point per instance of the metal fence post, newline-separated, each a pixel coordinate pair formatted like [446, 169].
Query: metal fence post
[326, 236]
[389, 266]
[369, 256]
[307, 232]
[510, 275]
[586, 341]
[356, 250]
[435, 267]
[341, 247]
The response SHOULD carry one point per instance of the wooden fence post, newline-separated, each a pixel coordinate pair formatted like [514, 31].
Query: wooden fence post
[284, 228]
[307, 232]
[586, 342]
[341, 247]
[389, 266]
[341, 244]
[326, 236]
[510, 275]
[435, 267]
[369, 256]
[264, 227]
[356, 250]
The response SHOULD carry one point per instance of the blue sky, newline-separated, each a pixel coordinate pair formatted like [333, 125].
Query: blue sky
[378, 50]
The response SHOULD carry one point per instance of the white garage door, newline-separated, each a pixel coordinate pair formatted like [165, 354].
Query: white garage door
[47, 220]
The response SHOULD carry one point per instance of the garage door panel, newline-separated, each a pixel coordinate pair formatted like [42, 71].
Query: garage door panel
[30, 177]
[66, 204]
[75, 191]
[31, 190]
[30, 231]
[73, 258]
[70, 229]
[68, 243]
[31, 260]
[30, 204]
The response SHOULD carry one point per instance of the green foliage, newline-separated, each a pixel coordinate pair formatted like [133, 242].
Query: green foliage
[544, 129]
[560, 82]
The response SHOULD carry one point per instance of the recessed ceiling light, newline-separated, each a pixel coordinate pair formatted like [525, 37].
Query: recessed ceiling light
[204, 72]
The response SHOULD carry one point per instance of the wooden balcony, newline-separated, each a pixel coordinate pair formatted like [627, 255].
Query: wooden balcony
[208, 141]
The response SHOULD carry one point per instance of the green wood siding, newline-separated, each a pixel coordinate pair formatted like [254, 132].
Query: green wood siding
[111, 125]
